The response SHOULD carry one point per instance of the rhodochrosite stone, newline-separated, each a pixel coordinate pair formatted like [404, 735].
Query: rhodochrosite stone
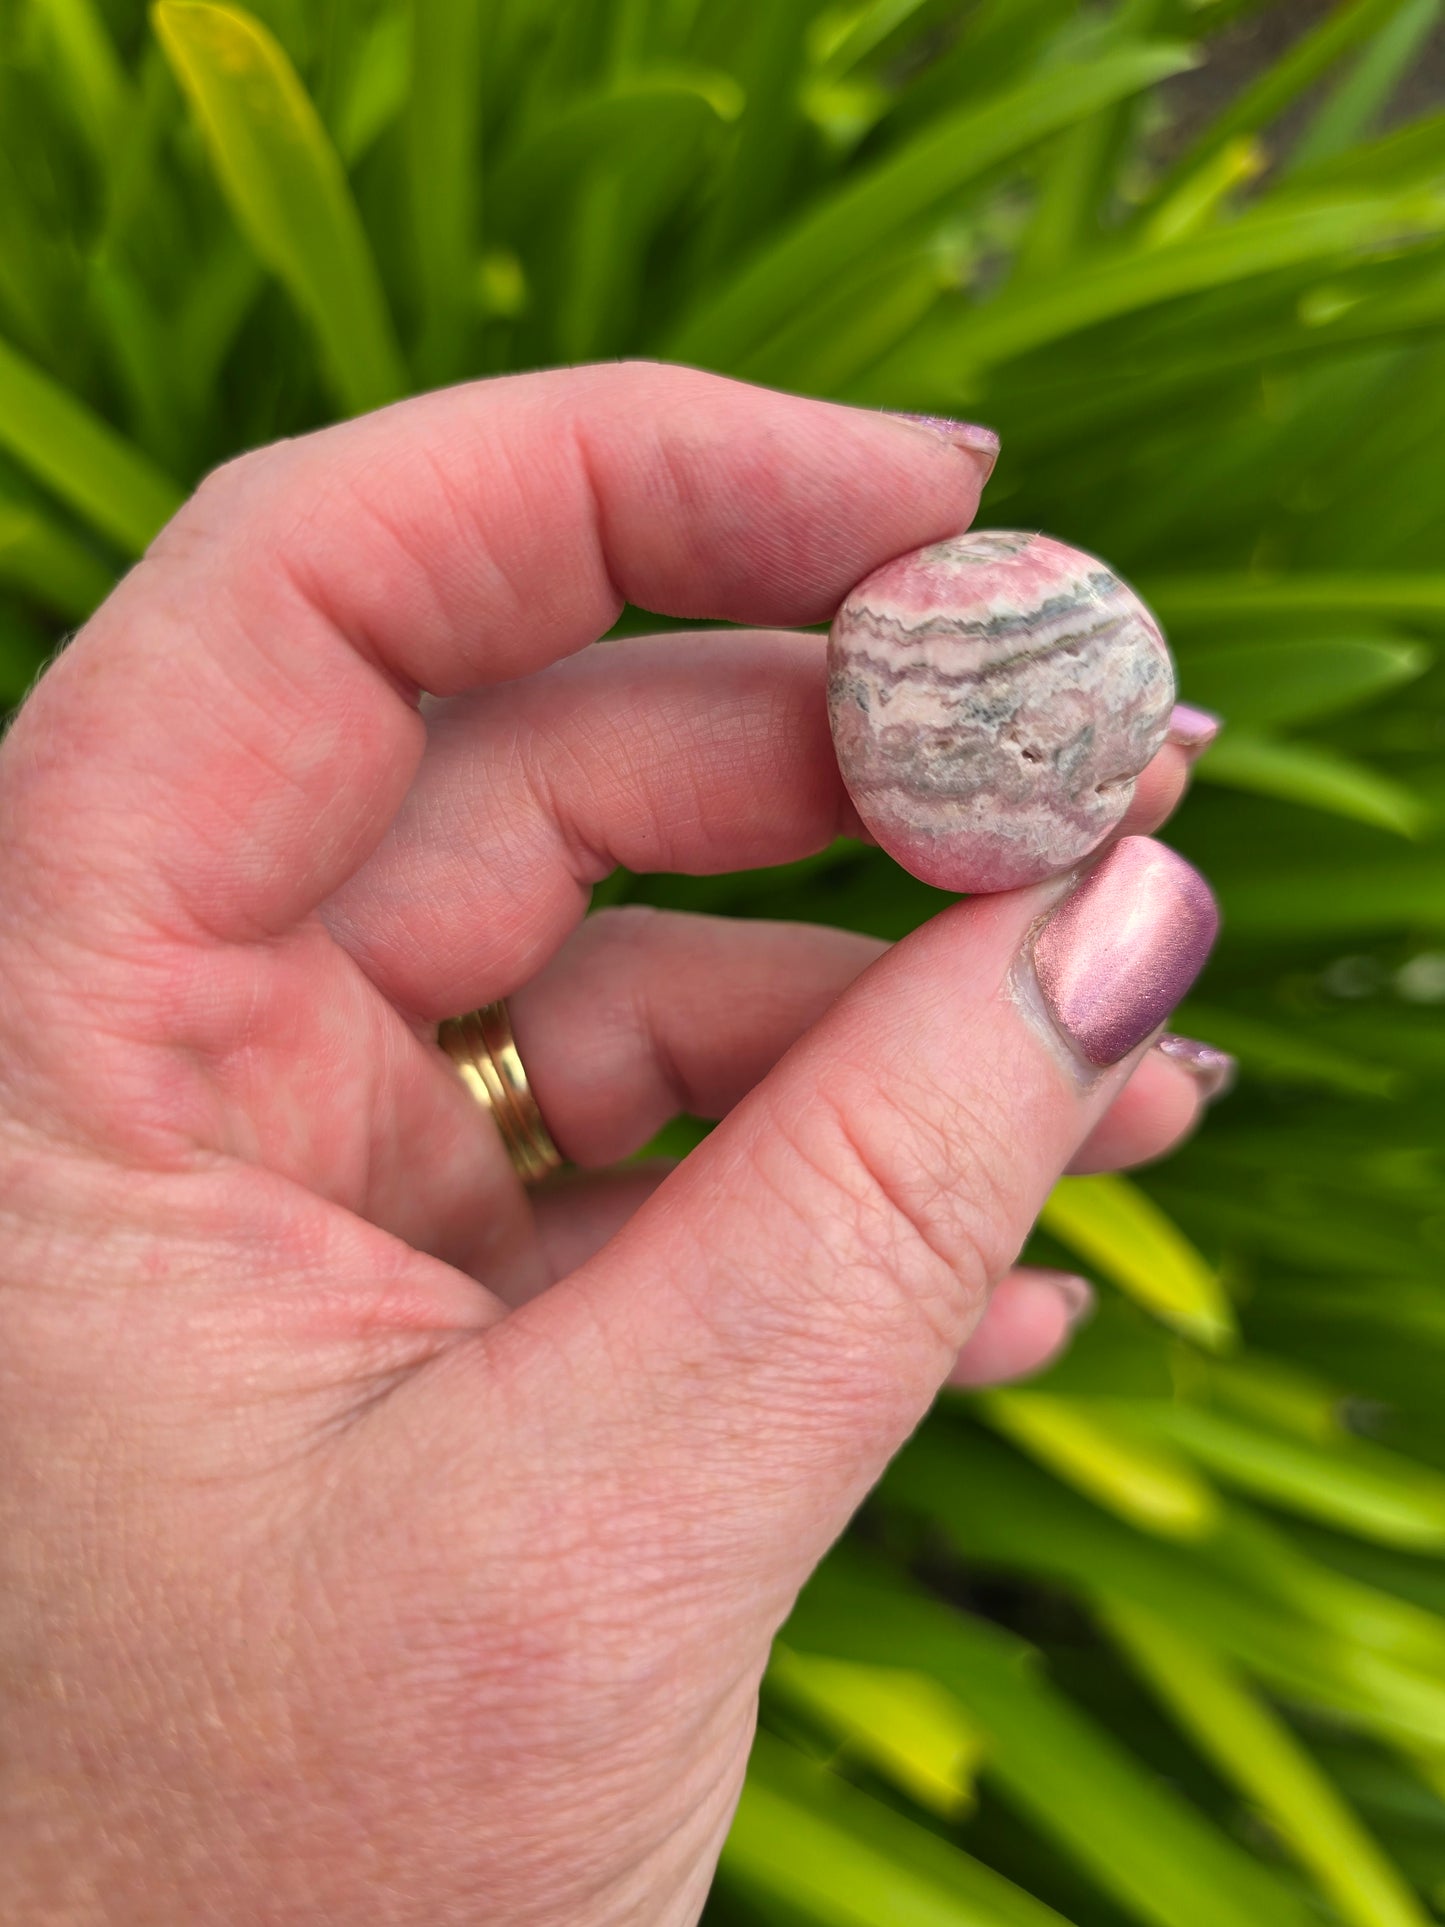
[993, 700]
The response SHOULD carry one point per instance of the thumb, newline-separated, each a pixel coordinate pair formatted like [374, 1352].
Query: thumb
[772, 1324]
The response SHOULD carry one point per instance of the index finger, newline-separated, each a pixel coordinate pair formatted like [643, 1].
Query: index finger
[234, 729]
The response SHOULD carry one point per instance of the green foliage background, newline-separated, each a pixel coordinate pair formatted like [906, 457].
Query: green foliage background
[1161, 1638]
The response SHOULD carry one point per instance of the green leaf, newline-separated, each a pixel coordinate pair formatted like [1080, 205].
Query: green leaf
[1074, 193]
[1197, 200]
[1007, 1514]
[1253, 1747]
[77, 455]
[1369, 83]
[897, 1720]
[444, 173]
[1332, 899]
[1138, 1840]
[843, 37]
[637, 121]
[836, 1857]
[875, 203]
[950, 353]
[286, 188]
[1275, 1051]
[46, 562]
[1111, 1224]
[1266, 681]
[1285, 79]
[374, 85]
[1350, 1483]
[88, 68]
[1117, 1464]
[1320, 778]
[1227, 597]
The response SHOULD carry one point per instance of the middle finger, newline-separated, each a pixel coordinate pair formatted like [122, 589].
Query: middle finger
[695, 753]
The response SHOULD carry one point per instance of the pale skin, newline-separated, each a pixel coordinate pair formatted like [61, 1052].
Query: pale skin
[380, 1543]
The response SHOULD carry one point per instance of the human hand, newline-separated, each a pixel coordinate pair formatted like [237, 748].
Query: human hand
[383, 1542]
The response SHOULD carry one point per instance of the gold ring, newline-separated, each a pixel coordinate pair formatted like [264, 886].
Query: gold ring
[482, 1047]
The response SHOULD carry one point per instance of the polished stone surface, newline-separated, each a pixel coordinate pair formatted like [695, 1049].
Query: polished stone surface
[993, 699]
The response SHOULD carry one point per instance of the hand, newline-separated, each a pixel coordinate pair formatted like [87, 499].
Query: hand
[384, 1543]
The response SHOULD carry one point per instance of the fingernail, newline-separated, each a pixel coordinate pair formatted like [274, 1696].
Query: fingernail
[1122, 948]
[1077, 1294]
[973, 436]
[1191, 729]
[1212, 1070]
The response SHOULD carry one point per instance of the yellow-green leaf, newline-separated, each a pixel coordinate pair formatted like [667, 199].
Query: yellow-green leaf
[833, 1856]
[1253, 1747]
[92, 79]
[1110, 1223]
[904, 1724]
[286, 187]
[1352, 1483]
[1120, 1466]
[1317, 777]
[119, 491]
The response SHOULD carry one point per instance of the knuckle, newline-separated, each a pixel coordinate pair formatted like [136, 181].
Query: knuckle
[211, 512]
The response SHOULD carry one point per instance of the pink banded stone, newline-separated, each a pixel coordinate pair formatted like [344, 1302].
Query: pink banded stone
[993, 699]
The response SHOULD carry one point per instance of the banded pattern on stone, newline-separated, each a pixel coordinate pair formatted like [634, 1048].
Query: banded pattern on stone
[993, 699]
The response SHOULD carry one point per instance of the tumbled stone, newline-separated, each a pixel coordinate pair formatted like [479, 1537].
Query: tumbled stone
[993, 700]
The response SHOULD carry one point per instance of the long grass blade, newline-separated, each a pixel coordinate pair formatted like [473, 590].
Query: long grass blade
[1367, 87]
[894, 1719]
[839, 1859]
[1253, 1747]
[951, 351]
[1269, 681]
[444, 170]
[115, 488]
[898, 189]
[1111, 1224]
[1321, 778]
[1312, 56]
[1139, 1842]
[1096, 1449]
[91, 75]
[286, 188]
[1350, 1483]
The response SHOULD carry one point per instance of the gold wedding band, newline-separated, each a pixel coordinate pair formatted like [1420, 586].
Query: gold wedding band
[482, 1047]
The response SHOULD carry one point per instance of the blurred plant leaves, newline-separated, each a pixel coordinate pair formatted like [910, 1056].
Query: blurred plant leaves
[43, 559]
[899, 1721]
[286, 188]
[85, 462]
[1349, 1482]
[1141, 1478]
[1112, 1225]
[1144, 1845]
[835, 1856]
[1270, 681]
[1253, 1746]
[871, 209]
[1311, 774]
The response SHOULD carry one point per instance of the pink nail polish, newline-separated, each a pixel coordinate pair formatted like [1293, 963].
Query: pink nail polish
[973, 436]
[1191, 729]
[1122, 948]
[1212, 1070]
[1077, 1294]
